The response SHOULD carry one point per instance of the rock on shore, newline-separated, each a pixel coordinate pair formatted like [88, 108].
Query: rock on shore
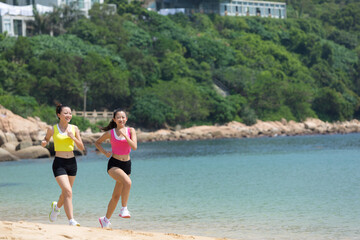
[20, 137]
[260, 129]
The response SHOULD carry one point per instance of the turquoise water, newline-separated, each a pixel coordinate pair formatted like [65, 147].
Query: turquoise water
[304, 187]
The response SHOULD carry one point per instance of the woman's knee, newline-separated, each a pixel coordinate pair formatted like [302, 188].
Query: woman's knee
[127, 183]
[67, 193]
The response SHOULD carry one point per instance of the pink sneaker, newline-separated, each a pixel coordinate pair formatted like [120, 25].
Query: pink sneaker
[104, 223]
[124, 213]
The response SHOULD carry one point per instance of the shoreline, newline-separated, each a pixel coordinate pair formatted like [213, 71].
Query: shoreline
[239, 130]
[30, 230]
[20, 138]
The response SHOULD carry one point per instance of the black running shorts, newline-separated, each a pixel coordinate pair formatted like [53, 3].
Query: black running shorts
[123, 165]
[64, 166]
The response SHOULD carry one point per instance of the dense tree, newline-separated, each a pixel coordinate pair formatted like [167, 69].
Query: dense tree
[165, 69]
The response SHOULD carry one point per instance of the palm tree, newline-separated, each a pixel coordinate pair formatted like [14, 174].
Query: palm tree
[54, 23]
[39, 24]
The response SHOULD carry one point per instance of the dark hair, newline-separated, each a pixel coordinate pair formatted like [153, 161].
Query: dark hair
[59, 108]
[112, 123]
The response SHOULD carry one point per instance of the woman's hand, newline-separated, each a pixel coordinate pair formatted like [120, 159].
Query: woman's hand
[49, 133]
[70, 134]
[44, 143]
[108, 154]
[123, 131]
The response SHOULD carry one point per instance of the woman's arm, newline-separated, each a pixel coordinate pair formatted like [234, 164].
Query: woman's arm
[101, 139]
[131, 141]
[49, 133]
[77, 138]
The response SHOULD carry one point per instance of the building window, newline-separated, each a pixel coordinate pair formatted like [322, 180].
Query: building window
[18, 28]
[81, 4]
[7, 26]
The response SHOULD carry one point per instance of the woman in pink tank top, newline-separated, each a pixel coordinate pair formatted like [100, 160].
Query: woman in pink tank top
[122, 140]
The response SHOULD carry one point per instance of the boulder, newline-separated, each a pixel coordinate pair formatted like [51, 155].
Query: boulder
[2, 138]
[21, 128]
[40, 124]
[50, 147]
[37, 136]
[6, 156]
[145, 137]
[23, 145]
[87, 139]
[10, 137]
[33, 152]
[10, 146]
[23, 136]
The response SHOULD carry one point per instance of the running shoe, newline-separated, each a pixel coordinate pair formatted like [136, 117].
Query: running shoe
[104, 223]
[73, 222]
[124, 213]
[53, 213]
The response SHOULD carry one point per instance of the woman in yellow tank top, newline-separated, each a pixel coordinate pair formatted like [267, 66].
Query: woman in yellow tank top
[64, 165]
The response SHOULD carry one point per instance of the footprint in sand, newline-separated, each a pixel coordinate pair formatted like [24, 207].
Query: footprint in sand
[66, 236]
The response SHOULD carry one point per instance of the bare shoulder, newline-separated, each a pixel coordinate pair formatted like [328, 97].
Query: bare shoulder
[132, 131]
[104, 136]
[107, 134]
[76, 127]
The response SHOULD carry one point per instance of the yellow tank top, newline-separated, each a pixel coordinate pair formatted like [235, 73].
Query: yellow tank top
[61, 140]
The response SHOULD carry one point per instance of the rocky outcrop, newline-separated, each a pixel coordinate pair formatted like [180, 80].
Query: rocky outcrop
[18, 136]
[7, 156]
[21, 138]
[16, 128]
[33, 152]
[260, 129]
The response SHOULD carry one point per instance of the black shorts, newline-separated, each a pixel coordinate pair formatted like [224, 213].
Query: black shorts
[64, 166]
[123, 165]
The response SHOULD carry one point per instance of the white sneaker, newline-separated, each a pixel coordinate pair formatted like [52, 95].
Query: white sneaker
[73, 222]
[104, 223]
[124, 213]
[53, 213]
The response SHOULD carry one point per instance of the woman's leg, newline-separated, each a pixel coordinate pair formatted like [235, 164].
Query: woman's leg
[114, 199]
[122, 189]
[66, 182]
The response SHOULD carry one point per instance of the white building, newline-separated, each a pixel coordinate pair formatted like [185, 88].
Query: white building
[82, 5]
[223, 7]
[253, 8]
[15, 14]
[13, 18]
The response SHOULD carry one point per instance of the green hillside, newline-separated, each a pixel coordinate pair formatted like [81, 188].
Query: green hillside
[162, 69]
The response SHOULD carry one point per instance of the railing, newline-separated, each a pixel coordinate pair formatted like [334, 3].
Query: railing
[94, 116]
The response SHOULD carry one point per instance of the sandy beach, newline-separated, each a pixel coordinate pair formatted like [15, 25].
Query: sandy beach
[30, 230]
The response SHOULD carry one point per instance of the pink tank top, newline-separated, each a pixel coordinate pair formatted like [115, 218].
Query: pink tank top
[119, 145]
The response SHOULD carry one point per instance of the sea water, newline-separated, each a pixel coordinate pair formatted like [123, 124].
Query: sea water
[303, 187]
